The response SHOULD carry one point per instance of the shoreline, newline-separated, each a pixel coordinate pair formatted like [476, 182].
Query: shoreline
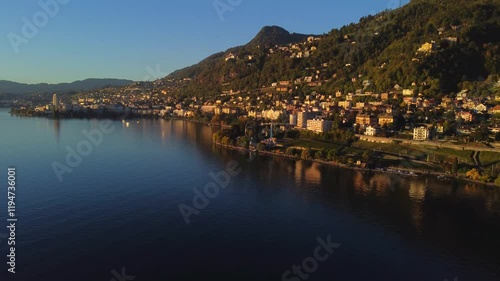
[402, 172]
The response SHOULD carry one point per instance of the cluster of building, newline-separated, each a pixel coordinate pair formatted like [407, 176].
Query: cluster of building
[141, 98]
[371, 114]
[298, 50]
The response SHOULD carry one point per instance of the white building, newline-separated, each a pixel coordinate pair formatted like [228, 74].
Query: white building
[180, 113]
[272, 114]
[319, 125]
[210, 109]
[408, 92]
[421, 134]
[360, 105]
[345, 104]
[303, 117]
[372, 131]
[55, 101]
[293, 119]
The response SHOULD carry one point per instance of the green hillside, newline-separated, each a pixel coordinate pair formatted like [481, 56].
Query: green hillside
[463, 52]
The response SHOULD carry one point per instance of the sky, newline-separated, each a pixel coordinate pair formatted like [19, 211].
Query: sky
[54, 41]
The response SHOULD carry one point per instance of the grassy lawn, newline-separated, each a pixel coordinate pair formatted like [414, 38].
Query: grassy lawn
[353, 150]
[378, 146]
[315, 145]
[391, 148]
[412, 165]
[420, 152]
[488, 158]
[311, 143]
[447, 154]
[434, 154]
[430, 167]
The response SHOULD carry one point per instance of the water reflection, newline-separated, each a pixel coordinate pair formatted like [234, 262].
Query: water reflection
[409, 204]
[57, 129]
[417, 190]
[168, 131]
[380, 183]
[440, 215]
[307, 173]
[49, 125]
[460, 220]
[359, 184]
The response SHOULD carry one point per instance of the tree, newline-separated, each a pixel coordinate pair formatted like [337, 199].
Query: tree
[497, 136]
[473, 174]
[332, 155]
[485, 178]
[243, 142]
[497, 181]
[293, 134]
[320, 154]
[366, 157]
[305, 153]
[447, 128]
[454, 167]
[216, 137]
[261, 147]
[227, 141]
[216, 120]
[481, 134]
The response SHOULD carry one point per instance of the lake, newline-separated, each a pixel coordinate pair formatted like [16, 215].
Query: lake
[117, 214]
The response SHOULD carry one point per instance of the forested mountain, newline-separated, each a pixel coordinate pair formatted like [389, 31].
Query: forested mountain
[271, 36]
[210, 74]
[8, 87]
[434, 46]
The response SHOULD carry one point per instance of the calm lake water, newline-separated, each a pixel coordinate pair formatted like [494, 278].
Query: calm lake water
[119, 209]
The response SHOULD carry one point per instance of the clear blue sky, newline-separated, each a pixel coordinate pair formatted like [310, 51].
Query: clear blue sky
[121, 38]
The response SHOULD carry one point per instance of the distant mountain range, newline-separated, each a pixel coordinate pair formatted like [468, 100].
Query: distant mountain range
[8, 87]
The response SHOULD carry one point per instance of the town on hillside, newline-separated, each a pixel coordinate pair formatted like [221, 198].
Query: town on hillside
[399, 128]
